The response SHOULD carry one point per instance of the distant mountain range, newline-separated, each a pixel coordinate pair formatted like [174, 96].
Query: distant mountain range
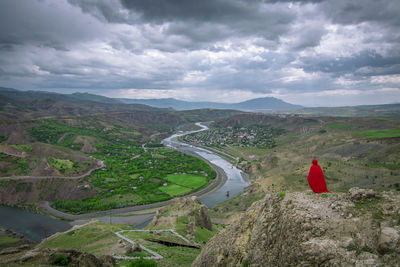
[17, 104]
[257, 104]
[48, 103]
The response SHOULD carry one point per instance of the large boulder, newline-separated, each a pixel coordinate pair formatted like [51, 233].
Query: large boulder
[389, 240]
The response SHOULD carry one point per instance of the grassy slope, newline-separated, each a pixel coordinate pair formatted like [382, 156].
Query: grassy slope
[346, 154]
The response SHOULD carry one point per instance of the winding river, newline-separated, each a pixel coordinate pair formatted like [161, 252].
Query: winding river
[38, 226]
[235, 183]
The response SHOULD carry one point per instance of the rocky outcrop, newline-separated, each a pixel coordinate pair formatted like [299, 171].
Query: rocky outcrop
[359, 194]
[187, 213]
[191, 208]
[202, 218]
[305, 229]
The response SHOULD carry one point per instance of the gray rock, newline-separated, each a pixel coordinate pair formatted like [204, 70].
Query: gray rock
[203, 218]
[388, 240]
[358, 194]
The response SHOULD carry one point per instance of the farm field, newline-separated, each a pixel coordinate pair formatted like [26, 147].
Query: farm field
[179, 184]
[190, 181]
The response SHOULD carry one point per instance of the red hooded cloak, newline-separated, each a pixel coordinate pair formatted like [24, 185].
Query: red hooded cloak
[316, 178]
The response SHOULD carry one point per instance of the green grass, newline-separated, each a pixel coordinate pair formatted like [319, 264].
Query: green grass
[187, 180]
[203, 235]
[8, 239]
[26, 148]
[385, 133]
[93, 238]
[338, 126]
[174, 190]
[173, 256]
[60, 164]
[67, 166]
[143, 263]
[373, 206]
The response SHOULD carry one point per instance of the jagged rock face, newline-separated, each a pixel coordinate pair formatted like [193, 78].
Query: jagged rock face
[183, 207]
[303, 229]
[203, 218]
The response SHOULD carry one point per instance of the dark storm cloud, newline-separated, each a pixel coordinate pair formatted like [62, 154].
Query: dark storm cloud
[358, 11]
[252, 46]
[366, 60]
[201, 21]
[23, 22]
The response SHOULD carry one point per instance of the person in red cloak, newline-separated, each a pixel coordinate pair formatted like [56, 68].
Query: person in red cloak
[316, 178]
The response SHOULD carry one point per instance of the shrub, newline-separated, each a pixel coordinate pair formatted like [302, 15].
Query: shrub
[61, 259]
[282, 194]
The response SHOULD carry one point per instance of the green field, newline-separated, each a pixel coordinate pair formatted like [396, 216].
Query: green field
[180, 184]
[8, 239]
[175, 190]
[187, 180]
[26, 148]
[338, 126]
[385, 133]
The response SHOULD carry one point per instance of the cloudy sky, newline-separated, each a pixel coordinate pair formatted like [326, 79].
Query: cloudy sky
[313, 53]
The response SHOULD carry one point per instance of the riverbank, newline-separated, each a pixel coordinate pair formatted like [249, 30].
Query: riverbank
[216, 184]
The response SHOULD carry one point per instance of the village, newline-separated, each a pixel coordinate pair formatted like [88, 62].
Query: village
[251, 136]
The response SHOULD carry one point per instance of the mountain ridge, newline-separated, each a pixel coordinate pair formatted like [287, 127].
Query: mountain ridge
[255, 104]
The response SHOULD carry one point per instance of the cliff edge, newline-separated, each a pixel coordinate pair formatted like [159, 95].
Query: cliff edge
[361, 228]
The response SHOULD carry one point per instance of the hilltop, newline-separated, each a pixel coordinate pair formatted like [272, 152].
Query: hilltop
[359, 228]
